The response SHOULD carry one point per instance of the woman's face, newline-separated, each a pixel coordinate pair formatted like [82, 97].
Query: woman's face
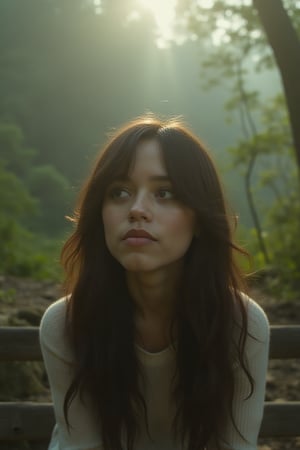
[146, 228]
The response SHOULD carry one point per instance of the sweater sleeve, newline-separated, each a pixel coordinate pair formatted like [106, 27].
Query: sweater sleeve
[58, 359]
[248, 412]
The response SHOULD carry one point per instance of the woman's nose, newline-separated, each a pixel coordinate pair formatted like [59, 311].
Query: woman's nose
[140, 209]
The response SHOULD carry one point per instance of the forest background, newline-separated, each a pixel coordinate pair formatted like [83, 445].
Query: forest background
[73, 70]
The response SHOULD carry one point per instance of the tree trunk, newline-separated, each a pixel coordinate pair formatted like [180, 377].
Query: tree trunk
[286, 47]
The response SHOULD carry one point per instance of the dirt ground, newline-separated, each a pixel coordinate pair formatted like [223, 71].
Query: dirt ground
[23, 301]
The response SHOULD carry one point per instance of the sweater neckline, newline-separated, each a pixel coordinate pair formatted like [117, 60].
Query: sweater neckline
[146, 352]
[157, 359]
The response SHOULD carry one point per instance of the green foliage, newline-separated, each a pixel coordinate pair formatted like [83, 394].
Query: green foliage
[53, 192]
[275, 171]
[32, 198]
[15, 199]
[37, 195]
[247, 238]
[7, 296]
[26, 254]
[232, 31]
[283, 222]
[15, 157]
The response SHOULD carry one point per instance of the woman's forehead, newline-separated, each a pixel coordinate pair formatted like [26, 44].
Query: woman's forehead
[148, 160]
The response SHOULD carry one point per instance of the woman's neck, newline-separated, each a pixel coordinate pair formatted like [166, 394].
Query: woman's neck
[154, 293]
[155, 296]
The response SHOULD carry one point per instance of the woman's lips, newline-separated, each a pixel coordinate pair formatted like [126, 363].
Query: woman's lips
[136, 238]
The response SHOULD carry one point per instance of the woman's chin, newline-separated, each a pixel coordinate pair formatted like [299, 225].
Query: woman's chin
[138, 263]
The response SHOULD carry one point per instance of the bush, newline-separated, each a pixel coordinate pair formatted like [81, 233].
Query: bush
[28, 255]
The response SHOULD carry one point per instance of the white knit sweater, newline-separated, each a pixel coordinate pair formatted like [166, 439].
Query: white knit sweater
[158, 368]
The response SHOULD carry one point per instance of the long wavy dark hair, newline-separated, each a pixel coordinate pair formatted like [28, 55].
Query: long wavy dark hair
[100, 313]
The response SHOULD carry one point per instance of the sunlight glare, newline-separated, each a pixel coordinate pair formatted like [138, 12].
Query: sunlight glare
[98, 6]
[207, 4]
[164, 16]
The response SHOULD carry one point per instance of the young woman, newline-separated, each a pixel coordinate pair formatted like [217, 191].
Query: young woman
[155, 346]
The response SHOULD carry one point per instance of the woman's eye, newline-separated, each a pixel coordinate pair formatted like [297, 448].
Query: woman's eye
[119, 193]
[165, 194]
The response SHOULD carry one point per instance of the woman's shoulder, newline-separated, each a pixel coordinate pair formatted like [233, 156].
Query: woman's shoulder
[54, 316]
[53, 329]
[257, 321]
[257, 318]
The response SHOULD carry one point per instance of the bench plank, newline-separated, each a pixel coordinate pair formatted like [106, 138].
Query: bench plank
[281, 420]
[26, 420]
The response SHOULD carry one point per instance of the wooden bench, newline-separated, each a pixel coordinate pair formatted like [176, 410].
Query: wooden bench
[34, 421]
